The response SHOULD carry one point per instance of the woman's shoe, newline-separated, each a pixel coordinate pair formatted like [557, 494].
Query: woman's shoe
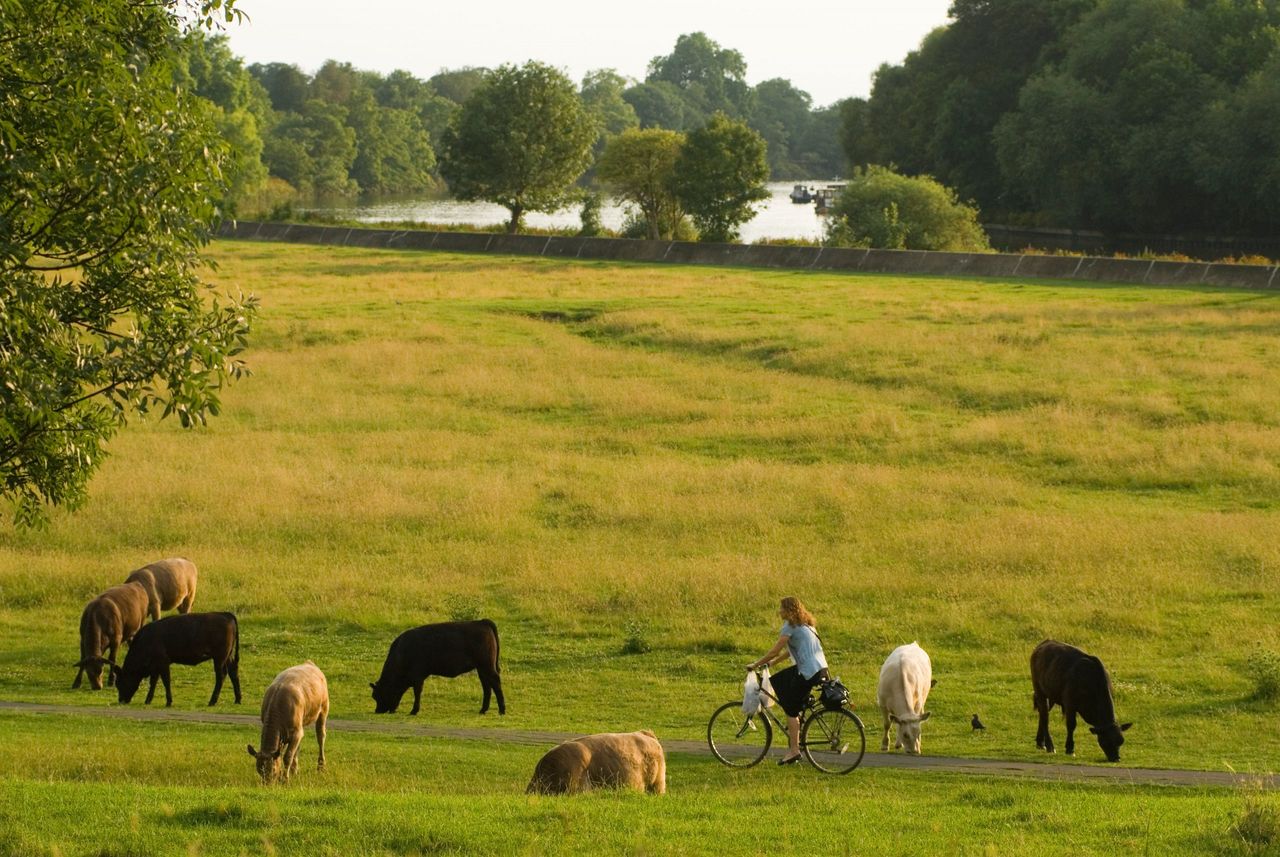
[789, 760]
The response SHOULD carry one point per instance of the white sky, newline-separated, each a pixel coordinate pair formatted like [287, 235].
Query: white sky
[828, 49]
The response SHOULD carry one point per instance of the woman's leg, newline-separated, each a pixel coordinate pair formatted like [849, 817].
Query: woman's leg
[793, 737]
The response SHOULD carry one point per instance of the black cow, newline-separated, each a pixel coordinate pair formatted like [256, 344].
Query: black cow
[1064, 675]
[188, 639]
[446, 649]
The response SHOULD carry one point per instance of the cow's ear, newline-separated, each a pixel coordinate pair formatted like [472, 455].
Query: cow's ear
[373, 686]
[252, 752]
[933, 682]
[1124, 727]
[1094, 731]
[893, 718]
[925, 716]
[276, 754]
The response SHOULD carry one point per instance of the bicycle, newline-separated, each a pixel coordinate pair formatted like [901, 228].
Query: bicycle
[831, 739]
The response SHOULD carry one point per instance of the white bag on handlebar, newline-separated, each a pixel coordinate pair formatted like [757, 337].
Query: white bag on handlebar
[752, 699]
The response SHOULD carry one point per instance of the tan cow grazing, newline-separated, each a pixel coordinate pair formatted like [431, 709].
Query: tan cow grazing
[108, 621]
[169, 583]
[296, 698]
[618, 760]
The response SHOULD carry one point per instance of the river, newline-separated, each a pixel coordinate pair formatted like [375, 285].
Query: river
[776, 217]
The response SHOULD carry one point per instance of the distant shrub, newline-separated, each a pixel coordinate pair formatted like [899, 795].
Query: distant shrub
[1263, 668]
[882, 209]
[787, 242]
[462, 608]
[636, 643]
[635, 226]
[592, 225]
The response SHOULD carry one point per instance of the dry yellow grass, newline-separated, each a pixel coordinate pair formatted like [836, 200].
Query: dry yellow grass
[572, 448]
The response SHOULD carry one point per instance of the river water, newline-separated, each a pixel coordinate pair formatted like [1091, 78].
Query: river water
[776, 217]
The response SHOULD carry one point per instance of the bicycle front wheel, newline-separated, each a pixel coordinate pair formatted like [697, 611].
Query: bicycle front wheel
[833, 740]
[737, 740]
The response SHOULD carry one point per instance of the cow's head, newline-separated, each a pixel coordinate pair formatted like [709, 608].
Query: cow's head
[386, 700]
[268, 764]
[909, 731]
[1110, 738]
[126, 683]
[93, 669]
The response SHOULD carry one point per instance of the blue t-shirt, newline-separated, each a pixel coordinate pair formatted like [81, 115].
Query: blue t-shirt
[805, 649]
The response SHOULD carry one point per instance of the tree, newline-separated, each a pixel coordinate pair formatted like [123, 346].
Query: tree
[661, 105]
[711, 77]
[393, 150]
[602, 94]
[721, 171]
[111, 178]
[287, 85]
[521, 140]
[639, 167]
[208, 68]
[879, 208]
[458, 84]
[782, 116]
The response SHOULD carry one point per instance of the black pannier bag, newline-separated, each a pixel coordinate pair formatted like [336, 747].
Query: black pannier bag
[834, 694]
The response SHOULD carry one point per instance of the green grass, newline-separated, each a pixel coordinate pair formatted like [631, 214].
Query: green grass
[592, 454]
[187, 788]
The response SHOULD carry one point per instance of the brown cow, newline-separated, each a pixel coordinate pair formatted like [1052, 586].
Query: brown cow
[169, 583]
[108, 621]
[296, 698]
[630, 760]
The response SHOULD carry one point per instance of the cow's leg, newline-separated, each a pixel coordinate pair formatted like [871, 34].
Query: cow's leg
[1070, 716]
[111, 656]
[295, 744]
[884, 741]
[417, 695]
[1043, 739]
[219, 675]
[151, 691]
[320, 733]
[233, 670]
[491, 682]
[496, 684]
[79, 678]
[168, 694]
[185, 606]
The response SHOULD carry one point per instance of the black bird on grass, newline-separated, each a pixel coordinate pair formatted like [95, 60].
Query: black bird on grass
[977, 724]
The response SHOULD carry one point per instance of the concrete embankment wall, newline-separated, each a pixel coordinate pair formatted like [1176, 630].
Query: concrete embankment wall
[1085, 268]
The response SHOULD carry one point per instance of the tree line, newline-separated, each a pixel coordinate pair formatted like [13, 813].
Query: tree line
[344, 130]
[1116, 115]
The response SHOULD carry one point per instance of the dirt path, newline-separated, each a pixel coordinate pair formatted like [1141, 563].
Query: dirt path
[984, 767]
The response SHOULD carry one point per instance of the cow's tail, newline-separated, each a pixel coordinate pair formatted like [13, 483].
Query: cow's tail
[87, 631]
[497, 655]
[235, 625]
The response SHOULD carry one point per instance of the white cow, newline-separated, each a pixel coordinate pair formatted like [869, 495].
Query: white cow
[905, 680]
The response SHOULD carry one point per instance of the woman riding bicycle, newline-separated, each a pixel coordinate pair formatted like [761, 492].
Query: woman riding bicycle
[792, 685]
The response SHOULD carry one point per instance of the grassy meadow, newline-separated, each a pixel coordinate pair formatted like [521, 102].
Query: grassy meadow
[626, 467]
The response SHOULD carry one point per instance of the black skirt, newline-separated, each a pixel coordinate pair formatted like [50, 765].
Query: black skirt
[792, 689]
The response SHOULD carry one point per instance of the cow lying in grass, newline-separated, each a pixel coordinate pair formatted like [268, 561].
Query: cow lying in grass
[108, 621]
[446, 649]
[188, 640]
[626, 760]
[1064, 675]
[296, 698]
[169, 583]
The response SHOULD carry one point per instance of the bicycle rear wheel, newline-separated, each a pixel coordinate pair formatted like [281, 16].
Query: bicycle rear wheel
[833, 740]
[737, 740]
